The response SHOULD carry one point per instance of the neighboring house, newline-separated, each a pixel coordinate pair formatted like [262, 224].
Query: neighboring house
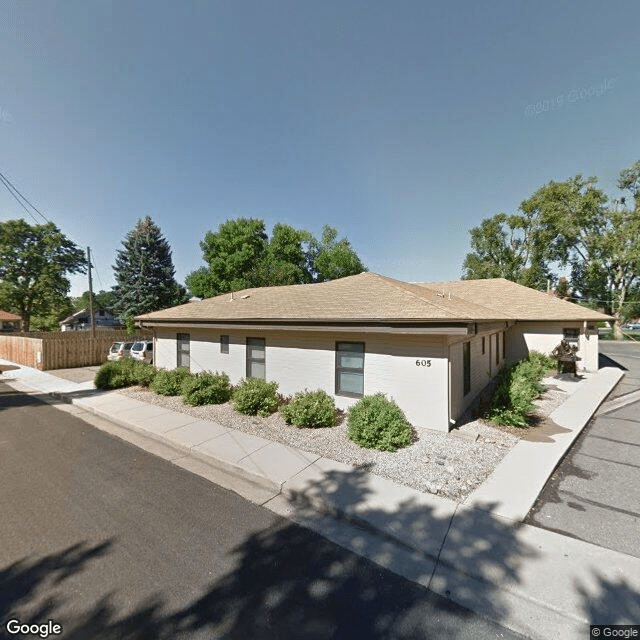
[432, 347]
[9, 321]
[81, 321]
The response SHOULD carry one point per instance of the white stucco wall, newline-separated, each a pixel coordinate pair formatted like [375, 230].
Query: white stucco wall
[545, 336]
[483, 368]
[393, 364]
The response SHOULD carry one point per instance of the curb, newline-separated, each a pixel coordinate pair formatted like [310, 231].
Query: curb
[431, 545]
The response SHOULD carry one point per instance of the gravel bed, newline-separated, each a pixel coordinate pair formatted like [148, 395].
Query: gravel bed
[450, 465]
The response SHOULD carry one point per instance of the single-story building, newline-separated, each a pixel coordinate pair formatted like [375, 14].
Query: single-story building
[9, 321]
[432, 347]
[81, 320]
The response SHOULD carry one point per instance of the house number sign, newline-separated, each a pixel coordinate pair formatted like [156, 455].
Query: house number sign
[423, 363]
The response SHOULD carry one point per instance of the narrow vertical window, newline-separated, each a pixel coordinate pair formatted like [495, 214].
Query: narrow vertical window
[184, 350]
[466, 367]
[483, 347]
[497, 348]
[350, 369]
[256, 365]
[224, 344]
[504, 345]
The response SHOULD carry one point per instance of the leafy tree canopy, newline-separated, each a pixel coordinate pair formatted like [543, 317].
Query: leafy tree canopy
[34, 263]
[240, 255]
[144, 272]
[567, 225]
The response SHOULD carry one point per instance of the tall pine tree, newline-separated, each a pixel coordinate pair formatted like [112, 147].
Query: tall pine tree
[144, 271]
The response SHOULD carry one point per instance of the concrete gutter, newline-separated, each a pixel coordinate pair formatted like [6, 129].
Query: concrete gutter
[478, 553]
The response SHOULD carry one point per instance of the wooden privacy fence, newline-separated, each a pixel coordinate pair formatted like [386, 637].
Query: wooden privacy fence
[60, 349]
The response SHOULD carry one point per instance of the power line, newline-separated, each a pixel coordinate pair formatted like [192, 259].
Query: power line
[11, 187]
[2, 179]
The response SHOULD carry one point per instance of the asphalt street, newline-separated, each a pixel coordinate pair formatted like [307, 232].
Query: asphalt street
[594, 494]
[114, 543]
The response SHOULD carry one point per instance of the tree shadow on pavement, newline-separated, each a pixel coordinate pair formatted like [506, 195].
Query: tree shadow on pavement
[610, 601]
[288, 582]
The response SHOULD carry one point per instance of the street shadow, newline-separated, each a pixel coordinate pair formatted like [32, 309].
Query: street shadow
[287, 582]
[610, 601]
[606, 361]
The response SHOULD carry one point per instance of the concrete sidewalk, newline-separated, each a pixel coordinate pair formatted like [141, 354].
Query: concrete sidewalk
[478, 553]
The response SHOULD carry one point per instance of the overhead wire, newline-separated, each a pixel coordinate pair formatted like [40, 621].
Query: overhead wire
[13, 191]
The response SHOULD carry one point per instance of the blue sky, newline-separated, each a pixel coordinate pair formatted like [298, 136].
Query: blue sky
[402, 124]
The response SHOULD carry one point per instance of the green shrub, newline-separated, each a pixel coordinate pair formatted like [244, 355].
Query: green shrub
[114, 374]
[254, 396]
[310, 409]
[169, 383]
[143, 373]
[377, 423]
[206, 388]
[518, 386]
[546, 363]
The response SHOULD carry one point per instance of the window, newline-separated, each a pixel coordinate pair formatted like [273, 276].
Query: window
[350, 369]
[504, 345]
[184, 350]
[483, 347]
[255, 358]
[224, 344]
[497, 348]
[571, 335]
[466, 367]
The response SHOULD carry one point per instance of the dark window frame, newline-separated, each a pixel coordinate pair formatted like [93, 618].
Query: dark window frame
[497, 348]
[224, 344]
[484, 349]
[571, 334]
[181, 340]
[339, 370]
[250, 360]
[504, 345]
[466, 368]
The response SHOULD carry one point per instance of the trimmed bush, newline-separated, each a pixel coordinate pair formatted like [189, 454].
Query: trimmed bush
[310, 409]
[206, 388]
[378, 423]
[169, 383]
[143, 373]
[518, 386]
[254, 396]
[114, 375]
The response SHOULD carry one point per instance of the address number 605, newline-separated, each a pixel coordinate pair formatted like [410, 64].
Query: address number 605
[423, 363]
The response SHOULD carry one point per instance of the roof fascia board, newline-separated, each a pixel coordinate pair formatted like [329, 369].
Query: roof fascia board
[426, 329]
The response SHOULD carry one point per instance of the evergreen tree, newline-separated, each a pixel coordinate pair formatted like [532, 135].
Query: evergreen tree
[144, 271]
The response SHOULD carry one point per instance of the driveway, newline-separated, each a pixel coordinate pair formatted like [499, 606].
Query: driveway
[594, 494]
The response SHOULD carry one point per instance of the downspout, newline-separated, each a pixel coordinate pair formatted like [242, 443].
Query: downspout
[449, 411]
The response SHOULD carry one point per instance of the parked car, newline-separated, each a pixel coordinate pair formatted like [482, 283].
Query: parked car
[143, 351]
[119, 350]
[632, 326]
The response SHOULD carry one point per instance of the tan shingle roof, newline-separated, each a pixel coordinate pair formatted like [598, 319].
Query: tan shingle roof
[372, 297]
[5, 315]
[515, 301]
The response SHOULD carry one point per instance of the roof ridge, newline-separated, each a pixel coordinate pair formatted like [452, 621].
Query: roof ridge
[464, 298]
[400, 284]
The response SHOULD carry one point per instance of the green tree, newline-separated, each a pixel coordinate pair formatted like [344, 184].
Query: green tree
[507, 247]
[101, 300]
[240, 255]
[232, 254]
[599, 243]
[330, 258]
[144, 272]
[34, 263]
[285, 260]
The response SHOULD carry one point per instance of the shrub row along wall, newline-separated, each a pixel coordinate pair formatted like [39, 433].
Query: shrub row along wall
[60, 349]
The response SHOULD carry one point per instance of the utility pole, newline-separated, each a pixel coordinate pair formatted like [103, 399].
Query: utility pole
[91, 311]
